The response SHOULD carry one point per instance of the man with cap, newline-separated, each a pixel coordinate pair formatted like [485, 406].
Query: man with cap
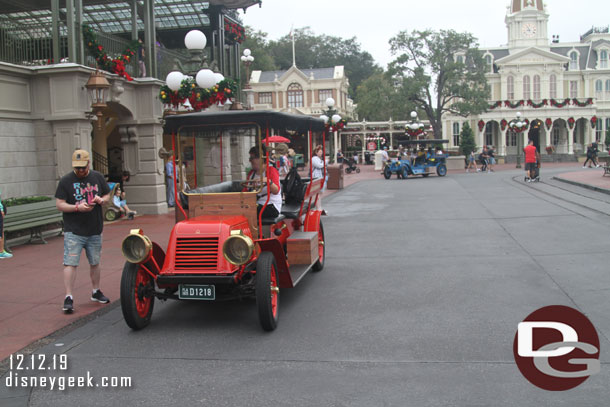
[80, 195]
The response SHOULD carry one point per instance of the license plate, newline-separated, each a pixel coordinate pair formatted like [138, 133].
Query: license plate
[196, 292]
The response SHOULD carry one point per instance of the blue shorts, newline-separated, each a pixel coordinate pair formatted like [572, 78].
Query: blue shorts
[74, 245]
[122, 203]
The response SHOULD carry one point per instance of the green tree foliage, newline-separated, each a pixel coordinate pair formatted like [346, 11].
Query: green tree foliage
[441, 72]
[467, 143]
[379, 100]
[312, 51]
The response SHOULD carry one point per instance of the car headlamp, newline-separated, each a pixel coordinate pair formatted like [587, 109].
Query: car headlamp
[238, 249]
[136, 247]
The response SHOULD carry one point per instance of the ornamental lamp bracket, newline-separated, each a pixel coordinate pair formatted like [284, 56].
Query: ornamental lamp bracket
[98, 86]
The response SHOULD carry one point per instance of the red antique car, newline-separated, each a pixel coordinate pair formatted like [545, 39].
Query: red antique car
[220, 247]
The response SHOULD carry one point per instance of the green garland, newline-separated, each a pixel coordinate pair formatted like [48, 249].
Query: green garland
[105, 62]
[199, 98]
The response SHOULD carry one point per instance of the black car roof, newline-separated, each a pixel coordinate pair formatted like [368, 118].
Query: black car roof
[275, 120]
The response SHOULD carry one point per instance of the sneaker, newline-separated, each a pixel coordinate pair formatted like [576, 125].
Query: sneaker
[131, 215]
[467, 170]
[478, 170]
[584, 166]
[68, 305]
[5, 255]
[100, 297]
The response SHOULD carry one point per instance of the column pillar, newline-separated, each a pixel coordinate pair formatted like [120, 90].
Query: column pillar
[571, 140]
[55, 30]
[502, 144]
[71, 31]
[80, 45]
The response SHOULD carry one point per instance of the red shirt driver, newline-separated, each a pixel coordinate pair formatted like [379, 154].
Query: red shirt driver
[532, 158]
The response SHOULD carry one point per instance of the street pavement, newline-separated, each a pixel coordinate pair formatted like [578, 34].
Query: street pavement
[424, 285]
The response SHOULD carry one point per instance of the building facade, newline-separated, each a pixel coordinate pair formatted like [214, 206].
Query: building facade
[302, 91]
[561, 89]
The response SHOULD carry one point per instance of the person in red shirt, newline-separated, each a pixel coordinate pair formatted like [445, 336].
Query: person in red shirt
[532, 157]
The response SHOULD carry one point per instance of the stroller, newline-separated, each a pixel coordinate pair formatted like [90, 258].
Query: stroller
[536, 174]
[351, 166]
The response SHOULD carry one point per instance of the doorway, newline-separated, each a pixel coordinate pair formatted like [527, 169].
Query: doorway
[534, 133]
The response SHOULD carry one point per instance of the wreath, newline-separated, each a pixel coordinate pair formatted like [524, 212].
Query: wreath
[332, 126]
[199, 98]
[503, 124]
[103, 60]
[593, 121]
[481, 124]
[571, 122]
[556, 103]
[548, 122]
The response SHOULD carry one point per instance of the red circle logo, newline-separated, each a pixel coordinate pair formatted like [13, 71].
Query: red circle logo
[556, 348]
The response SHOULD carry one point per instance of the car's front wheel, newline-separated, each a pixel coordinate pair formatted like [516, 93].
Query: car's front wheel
[267, 291]
[387, 173]
[441, 170]
[137, 298]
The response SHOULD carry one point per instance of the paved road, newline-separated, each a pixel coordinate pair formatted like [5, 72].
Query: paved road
[425, 283]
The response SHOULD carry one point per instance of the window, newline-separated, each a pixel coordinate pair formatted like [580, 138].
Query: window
[536, 87]
[599, 127]
[573, 89]
[607, 126]
[608, 85]
[295, 95]
[265, 98]
[573, 61]
[510, 88]
[460, 59]
[598, 89]
[556, 136]
[489, 134]
[553, 86]
[489, 63]
[511, 139]
[324, 94]
[603, 59]
[526, 87]
[456, 134]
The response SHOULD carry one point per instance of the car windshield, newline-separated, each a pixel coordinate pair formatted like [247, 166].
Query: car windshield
[211, 155]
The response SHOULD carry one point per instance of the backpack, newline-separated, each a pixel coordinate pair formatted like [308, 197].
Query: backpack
[294, 187]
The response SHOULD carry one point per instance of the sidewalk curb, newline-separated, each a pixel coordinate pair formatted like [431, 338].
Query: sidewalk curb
[580, 184]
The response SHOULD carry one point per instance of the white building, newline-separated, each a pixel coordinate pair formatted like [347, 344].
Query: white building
[562, 89]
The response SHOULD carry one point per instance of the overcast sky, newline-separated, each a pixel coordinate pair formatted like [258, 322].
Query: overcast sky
[375, 22]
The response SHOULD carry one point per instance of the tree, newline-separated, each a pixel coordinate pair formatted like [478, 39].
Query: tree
[441, 72]
[467, 142]
[379, 100]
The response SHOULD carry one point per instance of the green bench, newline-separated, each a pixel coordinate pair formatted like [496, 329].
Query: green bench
[32, 216]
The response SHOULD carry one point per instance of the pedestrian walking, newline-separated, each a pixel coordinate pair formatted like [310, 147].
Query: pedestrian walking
[491, 154]
[592, 150]
[169, 181]
[483, 159]
[532, 157]
[472, 162]
[3, 253]
[80, 195]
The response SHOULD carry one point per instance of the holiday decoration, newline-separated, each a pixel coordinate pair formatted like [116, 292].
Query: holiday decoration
[593, 122]
[199, 98]
[548, 123]
[503, 124]
[481, 125]
[556, 103]
[515, 105]
[535, 105]
[578, 103]
[495, 105]
[103, 60]
[332, 125]
[234, 31]
[571, 122]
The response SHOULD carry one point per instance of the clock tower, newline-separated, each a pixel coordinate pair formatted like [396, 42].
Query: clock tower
[527, 21]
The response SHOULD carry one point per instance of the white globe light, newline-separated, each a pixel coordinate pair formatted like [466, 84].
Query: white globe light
[413, 115]
[247, 52]
[325, 118]
[244, 58]
[219, 77]
[195, 39]
[518, 114]
[330, 102]
[174, 79]
[336, 118]
[205, 78]
[250, 58]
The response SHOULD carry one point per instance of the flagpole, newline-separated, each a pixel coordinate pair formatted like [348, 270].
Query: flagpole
[294, 63]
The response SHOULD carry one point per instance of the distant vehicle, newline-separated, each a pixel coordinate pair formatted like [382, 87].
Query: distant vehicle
[424, 164]
[221, 247]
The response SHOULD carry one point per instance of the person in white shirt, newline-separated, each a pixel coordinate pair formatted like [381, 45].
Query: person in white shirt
[260, 174]
[317, 163]
[384, 154]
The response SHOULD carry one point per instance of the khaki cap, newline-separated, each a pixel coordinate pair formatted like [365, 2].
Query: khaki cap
[80, 158]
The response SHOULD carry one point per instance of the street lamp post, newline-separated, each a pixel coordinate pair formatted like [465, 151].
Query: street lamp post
[332, 118]
[415, 128]
[98, 86]
[518, 126]
[247, 59]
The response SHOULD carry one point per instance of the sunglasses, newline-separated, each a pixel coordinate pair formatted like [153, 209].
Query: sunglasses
[80, 168]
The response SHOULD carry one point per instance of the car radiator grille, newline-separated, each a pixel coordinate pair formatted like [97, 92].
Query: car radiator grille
[196, 253]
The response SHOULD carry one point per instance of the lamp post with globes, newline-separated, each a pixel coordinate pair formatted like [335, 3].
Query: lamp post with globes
[518, 126]
[247, 59]
[415, 128]
[332, 118]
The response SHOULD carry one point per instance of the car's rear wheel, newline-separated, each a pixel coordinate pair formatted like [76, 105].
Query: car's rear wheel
[137, 300]
[319, 265]
[267, 291]
[405, 173]
[441, 170]
[387, 173]
[357, 170]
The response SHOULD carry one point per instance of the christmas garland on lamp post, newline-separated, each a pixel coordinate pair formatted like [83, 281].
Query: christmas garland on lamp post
[199, 98]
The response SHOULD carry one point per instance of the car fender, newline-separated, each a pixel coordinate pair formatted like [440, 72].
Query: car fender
[312, 221]
[275, 247]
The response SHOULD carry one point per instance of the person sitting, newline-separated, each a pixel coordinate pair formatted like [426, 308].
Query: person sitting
[119, 201]
[258, 175]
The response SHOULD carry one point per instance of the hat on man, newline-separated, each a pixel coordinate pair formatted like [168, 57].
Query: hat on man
[80, 158]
